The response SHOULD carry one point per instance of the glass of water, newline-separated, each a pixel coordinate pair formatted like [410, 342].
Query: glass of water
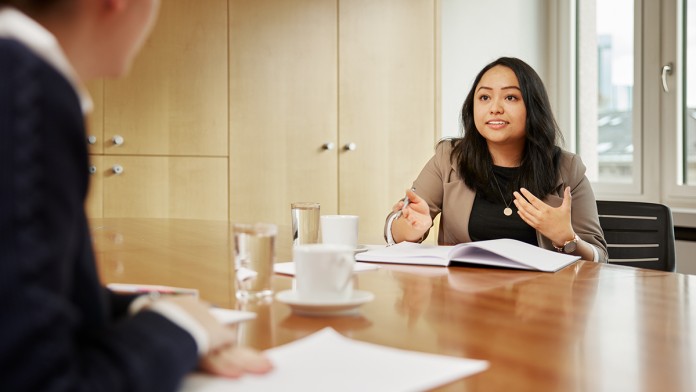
[305, 223]
[254, 255]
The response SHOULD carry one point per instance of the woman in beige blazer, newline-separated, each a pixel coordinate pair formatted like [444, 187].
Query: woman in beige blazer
[506, 177]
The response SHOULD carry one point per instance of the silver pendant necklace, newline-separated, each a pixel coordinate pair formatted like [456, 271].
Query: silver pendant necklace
[507, 211]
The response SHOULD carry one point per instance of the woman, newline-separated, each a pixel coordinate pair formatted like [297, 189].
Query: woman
[59, 328]
[506, 177]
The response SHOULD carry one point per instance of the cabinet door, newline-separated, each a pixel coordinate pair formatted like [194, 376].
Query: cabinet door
[165, 187]
[94, 205]
[174, 100]
[386, 104]
[95, 137]
[283, 101]
[95, 119]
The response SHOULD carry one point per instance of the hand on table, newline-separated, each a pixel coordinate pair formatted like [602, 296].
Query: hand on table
[223, 358]
[233, 362]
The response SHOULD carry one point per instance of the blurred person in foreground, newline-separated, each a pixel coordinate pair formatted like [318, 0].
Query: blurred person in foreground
[60, 330]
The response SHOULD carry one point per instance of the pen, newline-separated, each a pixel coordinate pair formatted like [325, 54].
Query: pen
[406, 200]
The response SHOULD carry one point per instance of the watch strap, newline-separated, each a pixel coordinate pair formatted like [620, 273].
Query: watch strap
[562, 249]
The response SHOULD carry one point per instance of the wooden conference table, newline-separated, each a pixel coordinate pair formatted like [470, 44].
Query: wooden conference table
[588, 327]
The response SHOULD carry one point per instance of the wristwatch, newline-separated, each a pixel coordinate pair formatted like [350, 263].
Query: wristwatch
[568, 246]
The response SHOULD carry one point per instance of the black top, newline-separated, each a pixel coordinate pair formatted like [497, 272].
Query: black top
[488, 221]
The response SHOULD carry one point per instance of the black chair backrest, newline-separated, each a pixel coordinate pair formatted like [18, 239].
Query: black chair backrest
[638, 234]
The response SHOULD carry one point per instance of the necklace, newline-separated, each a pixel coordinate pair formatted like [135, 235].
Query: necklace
[507, 211]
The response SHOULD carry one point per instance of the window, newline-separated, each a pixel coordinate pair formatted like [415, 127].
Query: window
[615, 66]
[689, 109]
[609, 89]
[678, 48]
[636, 99]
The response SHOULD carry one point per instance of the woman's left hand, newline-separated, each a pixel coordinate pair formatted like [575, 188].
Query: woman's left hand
[553, 223]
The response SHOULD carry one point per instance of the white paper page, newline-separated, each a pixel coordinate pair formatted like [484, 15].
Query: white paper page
[288, 267]
[128, 288]
[231, 316]
[518, 252]
[328, 361]
[483, 256]
[408, 253]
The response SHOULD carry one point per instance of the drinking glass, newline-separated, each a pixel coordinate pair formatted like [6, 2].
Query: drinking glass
[254, 254]
[305, 223]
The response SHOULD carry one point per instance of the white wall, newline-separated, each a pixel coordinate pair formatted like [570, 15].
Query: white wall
[474, 33]
[685, 260]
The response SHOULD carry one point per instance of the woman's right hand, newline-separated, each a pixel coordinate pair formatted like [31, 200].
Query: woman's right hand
[224, 357]
[233, 362]
[414, 221]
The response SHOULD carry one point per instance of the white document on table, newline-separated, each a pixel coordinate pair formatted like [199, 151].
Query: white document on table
[288, 267]
[328, 361]
[231, 316]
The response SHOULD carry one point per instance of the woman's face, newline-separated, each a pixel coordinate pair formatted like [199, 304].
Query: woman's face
[500, 114]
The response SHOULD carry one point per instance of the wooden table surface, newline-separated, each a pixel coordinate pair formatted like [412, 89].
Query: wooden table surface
[588, 327]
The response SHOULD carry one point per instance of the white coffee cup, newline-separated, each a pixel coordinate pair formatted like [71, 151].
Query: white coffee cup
[323, 272]
[340, 229]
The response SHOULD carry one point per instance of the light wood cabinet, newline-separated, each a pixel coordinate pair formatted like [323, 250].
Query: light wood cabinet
[94, 205]
[386, 104]
[174, 100]
[165, 187]
[307, 73]
[283, 107]
[170, 114]
[234, 109]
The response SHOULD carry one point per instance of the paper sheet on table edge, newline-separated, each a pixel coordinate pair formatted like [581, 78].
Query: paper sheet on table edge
[288, 267]
[385, 374]
[224, 316]
[231, 316]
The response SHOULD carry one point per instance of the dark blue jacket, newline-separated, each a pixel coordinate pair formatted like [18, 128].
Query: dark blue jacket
[60, 330]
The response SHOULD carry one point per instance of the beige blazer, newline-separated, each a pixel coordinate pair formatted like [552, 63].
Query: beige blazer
[447, 195]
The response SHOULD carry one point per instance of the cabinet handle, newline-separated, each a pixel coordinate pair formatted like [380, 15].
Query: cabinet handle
[666, 70]
[92, 169]
[91, 139]
[117, 139]
[328, 146]
[117, 169]
[350, 146]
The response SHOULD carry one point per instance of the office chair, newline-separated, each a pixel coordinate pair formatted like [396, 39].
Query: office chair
[638, 234]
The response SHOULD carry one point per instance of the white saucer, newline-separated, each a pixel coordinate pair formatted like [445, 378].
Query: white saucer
[316, 308]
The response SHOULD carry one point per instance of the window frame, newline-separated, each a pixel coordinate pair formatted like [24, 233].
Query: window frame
[675, 192]
[658, 116]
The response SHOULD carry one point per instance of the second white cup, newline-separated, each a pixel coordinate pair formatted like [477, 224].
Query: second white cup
[340, 229]
[323, 272]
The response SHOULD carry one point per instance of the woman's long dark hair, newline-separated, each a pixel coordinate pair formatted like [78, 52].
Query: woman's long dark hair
[540, 158]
